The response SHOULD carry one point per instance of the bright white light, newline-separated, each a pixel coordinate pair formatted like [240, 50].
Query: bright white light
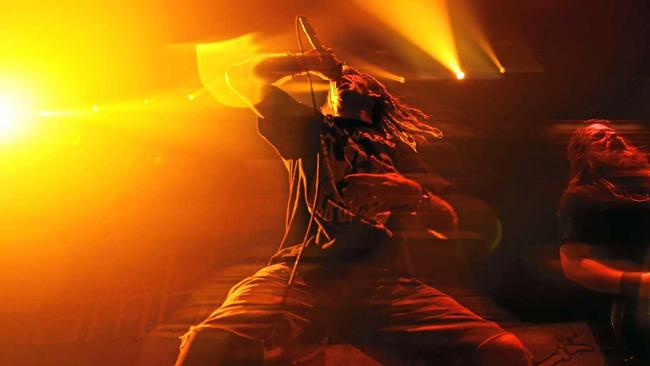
[460, 75]
[8, 120]
[16, 112]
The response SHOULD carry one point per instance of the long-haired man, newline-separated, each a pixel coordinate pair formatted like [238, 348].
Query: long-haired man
[360, 183]
[605, 217]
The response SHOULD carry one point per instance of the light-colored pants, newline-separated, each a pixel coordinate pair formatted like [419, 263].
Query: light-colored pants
[381, 313]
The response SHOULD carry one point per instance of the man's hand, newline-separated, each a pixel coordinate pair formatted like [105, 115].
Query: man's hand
[578, 265]
[324, 63]
[381, 192]
[332, 66]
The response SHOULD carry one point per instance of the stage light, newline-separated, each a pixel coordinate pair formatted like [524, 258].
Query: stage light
[45, 114]
[460, 75]
[425, 23]
[465, 19]
[11, 119]
[17, 111]
[191, 97]
[7, 119]
[95, 108]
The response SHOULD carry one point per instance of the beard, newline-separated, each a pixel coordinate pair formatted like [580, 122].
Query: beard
[626, 168]
[629, 158]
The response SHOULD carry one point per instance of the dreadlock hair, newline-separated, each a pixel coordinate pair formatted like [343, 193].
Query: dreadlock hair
[397, 119]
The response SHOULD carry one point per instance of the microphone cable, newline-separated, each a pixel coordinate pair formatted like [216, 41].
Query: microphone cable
[312, 212]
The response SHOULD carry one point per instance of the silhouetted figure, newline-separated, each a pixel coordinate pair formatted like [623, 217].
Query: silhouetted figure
[358, 177]
[605, 226]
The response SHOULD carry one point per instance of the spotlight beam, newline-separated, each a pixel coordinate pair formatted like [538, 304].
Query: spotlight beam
[426, 24]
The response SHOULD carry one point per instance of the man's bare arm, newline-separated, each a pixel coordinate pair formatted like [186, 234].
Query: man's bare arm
[579, 266]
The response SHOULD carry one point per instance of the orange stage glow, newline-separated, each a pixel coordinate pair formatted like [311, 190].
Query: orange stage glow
[426, 24]
[470, 24]
[7, 120]
[303, 86]
[378, 71]
[489, 52]
[495, 60]
[99, 147]
[123, 182]
[15, 117]
[226, 70]
[194, 95]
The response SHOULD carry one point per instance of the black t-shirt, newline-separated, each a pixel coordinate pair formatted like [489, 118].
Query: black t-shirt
[616, 228]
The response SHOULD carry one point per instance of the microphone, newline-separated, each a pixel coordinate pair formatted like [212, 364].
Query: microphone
[322, 52]
[311, 34]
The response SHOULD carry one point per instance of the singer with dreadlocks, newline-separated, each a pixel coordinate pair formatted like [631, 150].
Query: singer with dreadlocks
[355, 174]
[604, 218]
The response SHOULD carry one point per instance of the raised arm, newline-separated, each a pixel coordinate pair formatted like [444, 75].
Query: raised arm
[275, 68]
